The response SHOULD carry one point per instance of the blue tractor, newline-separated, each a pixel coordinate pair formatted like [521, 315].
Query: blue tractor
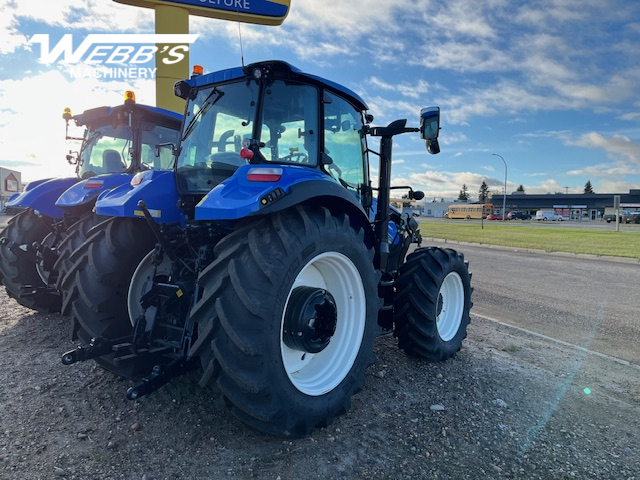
[52, 216]
[267, 259]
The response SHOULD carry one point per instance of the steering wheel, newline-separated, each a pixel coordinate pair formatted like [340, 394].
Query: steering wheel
[296, 157]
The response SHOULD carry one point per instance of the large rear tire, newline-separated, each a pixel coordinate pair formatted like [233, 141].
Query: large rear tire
[95, 289]
[432, 303]
[19, 271]
[271, 300]
[76, 235]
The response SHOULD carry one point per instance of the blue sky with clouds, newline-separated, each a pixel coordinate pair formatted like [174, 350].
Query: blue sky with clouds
[551, 85]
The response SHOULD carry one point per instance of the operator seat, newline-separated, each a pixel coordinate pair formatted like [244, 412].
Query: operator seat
[112, 162]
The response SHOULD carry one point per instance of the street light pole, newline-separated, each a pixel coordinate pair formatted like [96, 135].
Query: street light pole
[504, 197]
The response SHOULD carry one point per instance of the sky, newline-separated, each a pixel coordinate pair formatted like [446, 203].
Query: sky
[551, 86]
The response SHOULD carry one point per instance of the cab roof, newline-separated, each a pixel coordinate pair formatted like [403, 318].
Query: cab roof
[146, 113]
[278, 69]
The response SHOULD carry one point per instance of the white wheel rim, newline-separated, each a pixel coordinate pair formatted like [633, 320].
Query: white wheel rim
[451, 301]
[141, 283]
[319, 373]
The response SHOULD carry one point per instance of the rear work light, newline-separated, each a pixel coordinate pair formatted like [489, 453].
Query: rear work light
[264, 174]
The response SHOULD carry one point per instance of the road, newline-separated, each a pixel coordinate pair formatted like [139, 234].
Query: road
[591, 303]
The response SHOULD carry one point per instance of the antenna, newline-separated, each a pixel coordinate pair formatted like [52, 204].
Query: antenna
[240, 35]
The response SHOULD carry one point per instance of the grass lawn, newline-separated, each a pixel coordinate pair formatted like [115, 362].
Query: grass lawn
[625, 243]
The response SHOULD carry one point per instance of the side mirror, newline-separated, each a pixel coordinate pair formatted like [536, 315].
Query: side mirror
[430, 128]
[157, 148]
[416, 194]
[72, 157]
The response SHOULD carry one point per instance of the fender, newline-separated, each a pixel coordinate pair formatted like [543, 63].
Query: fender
[41, 195]
[156, 187]
[239, 196]
[86, 191]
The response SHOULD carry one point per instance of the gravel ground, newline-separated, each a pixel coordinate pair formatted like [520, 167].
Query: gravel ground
[509, 405]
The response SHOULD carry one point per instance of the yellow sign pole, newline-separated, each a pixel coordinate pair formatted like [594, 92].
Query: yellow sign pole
[172, 17]
[173, 20]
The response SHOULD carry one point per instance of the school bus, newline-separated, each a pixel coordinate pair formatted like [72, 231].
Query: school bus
[469, 211]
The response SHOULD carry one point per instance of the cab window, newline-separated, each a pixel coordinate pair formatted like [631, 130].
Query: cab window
[344, 142]
[290, 124]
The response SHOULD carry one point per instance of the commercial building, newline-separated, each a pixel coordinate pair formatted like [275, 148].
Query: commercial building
[573, 206]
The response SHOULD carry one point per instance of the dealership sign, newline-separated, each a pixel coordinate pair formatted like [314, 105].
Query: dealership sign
[113, 56]
[261, 12]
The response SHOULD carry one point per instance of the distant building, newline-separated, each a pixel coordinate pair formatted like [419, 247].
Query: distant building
[573, 206]
[10, 183]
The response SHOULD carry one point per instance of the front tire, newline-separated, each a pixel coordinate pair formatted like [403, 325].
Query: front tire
[19, 271]
[432, 303]
[287, 319]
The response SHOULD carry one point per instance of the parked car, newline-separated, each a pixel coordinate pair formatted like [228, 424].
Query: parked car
[631, 217]
[518, 216]
[495, 216]
[545, 215]
[625, 216]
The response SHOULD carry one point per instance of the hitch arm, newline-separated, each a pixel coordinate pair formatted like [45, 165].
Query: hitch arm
[161, 375]
[96, 348]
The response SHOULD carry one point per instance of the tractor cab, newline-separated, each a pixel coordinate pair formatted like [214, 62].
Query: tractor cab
[122, 139]
[270, 115]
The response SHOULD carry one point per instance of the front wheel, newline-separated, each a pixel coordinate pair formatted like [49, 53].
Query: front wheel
[287, 319]
[432, 303]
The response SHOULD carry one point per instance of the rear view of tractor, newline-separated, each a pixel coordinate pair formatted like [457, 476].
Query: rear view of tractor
[267, 259]
[53, 215]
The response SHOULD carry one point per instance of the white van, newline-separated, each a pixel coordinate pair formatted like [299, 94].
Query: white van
[545, 215]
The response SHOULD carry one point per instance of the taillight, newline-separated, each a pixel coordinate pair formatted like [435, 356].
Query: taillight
[137, 179]
[264, 174]
[94, 183]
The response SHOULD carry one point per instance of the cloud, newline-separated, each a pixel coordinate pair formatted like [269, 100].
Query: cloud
[11, 39]
[617, 146]
[98, 16]
[631, 116]
[603, 170]
[35, 144]
[417, 90]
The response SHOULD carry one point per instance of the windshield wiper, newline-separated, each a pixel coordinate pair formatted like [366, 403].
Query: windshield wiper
[206, 105]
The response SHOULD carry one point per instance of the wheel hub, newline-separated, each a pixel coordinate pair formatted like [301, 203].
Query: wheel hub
[311, 319]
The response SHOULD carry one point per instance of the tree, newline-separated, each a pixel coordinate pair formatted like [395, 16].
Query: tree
[464, 194]
[483, 193]
[588, 188]
[520, 189]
